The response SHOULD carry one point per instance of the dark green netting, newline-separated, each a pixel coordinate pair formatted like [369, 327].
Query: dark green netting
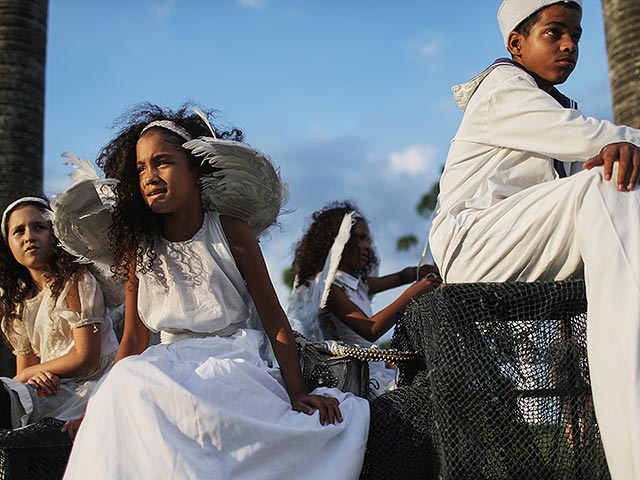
[502, 391]
[36, 452]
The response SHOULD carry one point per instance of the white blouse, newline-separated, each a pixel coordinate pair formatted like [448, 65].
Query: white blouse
[45, 324]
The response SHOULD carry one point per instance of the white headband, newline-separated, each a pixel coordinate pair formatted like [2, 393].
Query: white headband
[512, 12]
[12, 207]
[168, 125]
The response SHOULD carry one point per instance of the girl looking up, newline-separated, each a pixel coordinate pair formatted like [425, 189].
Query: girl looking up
[336, 266]
[205, 402]
[53, 316]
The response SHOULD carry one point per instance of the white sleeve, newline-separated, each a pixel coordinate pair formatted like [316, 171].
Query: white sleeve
[92, 309]
[522, 117]
[17, 336]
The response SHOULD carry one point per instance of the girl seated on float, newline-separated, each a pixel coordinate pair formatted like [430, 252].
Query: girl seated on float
[53, 316]
[205, 402]
[335, 268]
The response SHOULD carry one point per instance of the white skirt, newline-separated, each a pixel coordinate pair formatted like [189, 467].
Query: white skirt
[211, 408]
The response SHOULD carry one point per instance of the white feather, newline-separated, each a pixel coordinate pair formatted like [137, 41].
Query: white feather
[84, 170]
[245, 183]
[81, 221]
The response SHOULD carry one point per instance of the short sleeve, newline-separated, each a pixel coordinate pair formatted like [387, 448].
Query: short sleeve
[17, 336]
[92, 309]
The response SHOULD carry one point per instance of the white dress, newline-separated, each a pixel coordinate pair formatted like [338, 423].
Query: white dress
[205, 403]
[45, 330]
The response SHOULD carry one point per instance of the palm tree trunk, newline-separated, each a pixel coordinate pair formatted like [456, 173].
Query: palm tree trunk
[23, 42]
[621, 20]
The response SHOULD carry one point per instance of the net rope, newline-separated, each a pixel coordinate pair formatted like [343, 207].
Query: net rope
[502, 390]
[36, 452]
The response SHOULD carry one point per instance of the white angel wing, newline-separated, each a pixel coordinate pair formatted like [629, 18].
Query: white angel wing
[84, 170]
[243, 182]
[81, 221]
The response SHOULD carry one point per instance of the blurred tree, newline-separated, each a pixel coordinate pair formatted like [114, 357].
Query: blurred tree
[406, 242]
[288, 277]
[23, 43]
[425, 208]
[621, 20]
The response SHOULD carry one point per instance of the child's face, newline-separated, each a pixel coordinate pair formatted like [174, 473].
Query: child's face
[168, 183]
[550, 50]
[356, 254]
[30, 238]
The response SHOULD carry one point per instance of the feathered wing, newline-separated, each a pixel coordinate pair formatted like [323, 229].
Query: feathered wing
[81, 221]
[243, 183]
[306, 301]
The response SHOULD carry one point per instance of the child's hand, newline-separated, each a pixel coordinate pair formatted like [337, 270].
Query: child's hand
[411, 274]
[326, 406]
[628, 157]
[72, 426]
[45, 382]
[427, 284]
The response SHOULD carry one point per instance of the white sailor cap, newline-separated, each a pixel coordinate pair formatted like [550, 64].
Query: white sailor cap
[512, 12]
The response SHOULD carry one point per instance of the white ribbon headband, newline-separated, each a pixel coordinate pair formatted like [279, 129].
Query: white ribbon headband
[12, 207]
[177, 129]
[168, 125]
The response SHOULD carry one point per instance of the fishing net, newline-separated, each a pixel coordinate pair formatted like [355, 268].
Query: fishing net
[502, 390]
[36, 452]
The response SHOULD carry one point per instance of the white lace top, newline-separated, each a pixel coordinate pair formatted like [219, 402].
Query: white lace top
[45, 326]
[195, 287]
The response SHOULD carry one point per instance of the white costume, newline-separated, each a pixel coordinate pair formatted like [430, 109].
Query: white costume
[504, 214]
[309, 315]
[206, 403]
[357, 290]
[45, 330]
[307, 301]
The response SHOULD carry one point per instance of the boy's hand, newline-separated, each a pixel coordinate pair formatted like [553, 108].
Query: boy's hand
[628, 157]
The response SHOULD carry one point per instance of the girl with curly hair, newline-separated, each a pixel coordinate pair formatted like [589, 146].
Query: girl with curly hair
[205, 402]
[335, 268]
[53, 316]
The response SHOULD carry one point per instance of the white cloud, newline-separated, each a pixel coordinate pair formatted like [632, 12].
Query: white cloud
[429, 49]
[414, 159]
[255, 4]
[162, 8]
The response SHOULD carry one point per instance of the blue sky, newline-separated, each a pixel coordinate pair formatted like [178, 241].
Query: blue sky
[351, 98]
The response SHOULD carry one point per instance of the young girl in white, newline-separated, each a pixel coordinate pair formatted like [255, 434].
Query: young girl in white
[54, 318]
[335, 269]
[205, 403]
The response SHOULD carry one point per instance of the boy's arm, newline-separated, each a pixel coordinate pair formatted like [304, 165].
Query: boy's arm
[523, 117]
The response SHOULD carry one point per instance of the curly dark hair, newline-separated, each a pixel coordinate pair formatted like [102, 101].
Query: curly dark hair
[312, 250]
[135, 226]
[16, 283]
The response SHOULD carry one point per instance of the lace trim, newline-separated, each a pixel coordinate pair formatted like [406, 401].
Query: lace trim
[88, 321]
[23, 352]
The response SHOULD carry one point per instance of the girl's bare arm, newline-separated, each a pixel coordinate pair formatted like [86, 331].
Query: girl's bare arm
[251, 265]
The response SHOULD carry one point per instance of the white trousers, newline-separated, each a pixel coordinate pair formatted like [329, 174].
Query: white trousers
[557, 230]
